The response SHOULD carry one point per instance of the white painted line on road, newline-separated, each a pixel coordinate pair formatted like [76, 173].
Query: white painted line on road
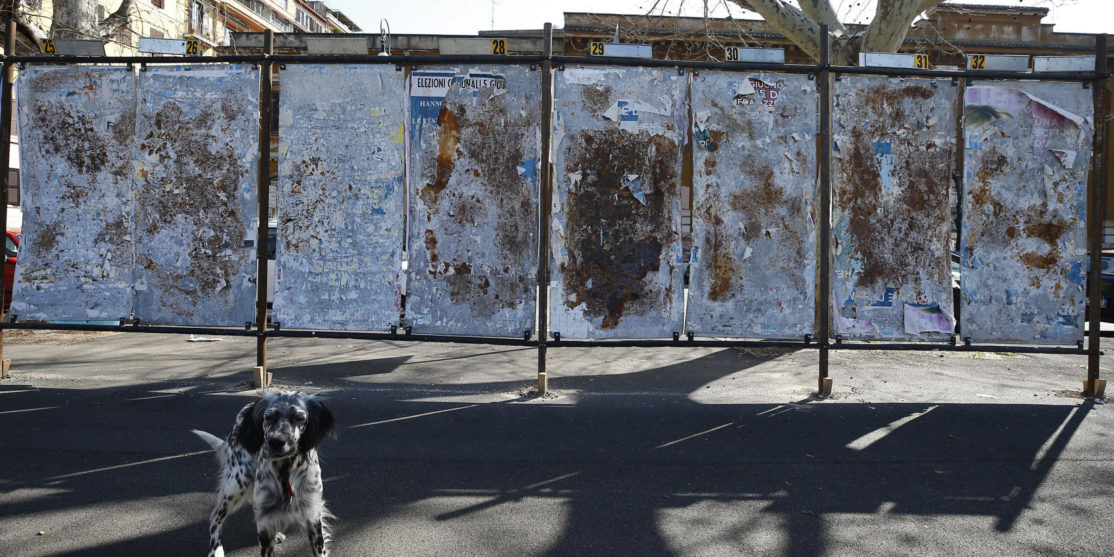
[150, 397]
[694, 435]
[28, 410]
[129, 465]
[549, 481]
[774, 409]
[876, 435]
[19, 391]
[414, 416]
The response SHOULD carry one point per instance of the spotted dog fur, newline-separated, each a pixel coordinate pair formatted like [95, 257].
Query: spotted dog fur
[270, 458]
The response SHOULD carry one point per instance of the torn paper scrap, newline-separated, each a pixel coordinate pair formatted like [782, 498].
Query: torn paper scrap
[928, 318]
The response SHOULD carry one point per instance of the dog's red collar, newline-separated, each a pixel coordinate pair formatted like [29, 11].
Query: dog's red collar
[286, 480]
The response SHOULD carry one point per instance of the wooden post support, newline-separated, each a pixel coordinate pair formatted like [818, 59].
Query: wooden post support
[1097, 203]
[262, 377]
[823, 315]
[545, 206]
[264, 192]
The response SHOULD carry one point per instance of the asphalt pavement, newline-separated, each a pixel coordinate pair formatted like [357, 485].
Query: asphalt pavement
[443, 450]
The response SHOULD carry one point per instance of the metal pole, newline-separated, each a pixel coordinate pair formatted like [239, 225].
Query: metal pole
[1095, 386]
[264, 192]
[544, 206]
[824, 85]
[957, 180]
[5, 165]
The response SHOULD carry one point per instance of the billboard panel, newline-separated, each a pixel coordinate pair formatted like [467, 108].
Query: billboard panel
[197, 133]
[76, 147]
[340, 200]
[893, 144]
[616, 254]
[475, 149]
[753, 264]
[1024, 238]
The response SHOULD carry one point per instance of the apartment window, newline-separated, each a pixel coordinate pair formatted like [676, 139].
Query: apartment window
[197, 19]
[156, 34]
[159, 3]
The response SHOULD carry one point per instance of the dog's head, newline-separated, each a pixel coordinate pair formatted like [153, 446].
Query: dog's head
[282, 424]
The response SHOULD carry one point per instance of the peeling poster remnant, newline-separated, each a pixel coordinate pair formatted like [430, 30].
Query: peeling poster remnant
[77, 145]
[618, 269]
[893, 143]
[1023, 243]
[472, 244]
[340, 200]
[197, 134]
[753, 263]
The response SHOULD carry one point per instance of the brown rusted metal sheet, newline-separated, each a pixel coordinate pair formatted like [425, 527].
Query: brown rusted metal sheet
[616, 244]
[894, 150]
[197, 137]
[753, 264]
[341, 198]
[472, 245]
[1024, 239]
[76, 147]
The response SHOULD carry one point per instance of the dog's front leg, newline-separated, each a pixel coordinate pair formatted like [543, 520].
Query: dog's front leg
[316, 530]
[267, 543]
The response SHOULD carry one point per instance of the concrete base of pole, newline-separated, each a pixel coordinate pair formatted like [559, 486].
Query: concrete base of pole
[262, 377]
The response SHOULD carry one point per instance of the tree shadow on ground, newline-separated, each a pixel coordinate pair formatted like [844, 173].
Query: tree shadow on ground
[608, 470]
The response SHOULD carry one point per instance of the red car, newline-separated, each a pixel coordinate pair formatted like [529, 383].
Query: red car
[11, 249]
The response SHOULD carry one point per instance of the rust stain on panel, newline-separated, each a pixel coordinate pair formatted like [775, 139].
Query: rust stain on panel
[614, 237]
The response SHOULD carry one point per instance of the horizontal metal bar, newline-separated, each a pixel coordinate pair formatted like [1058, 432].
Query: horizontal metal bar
[695, 64]
[405, 60]
[44, 59]
[928, 347]
[365, 335]
[558, 60]
[505, 341]
[968, 74]
[229, 331]
[682, 343]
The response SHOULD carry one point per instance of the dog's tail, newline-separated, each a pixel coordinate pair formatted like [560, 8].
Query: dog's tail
[215, 442]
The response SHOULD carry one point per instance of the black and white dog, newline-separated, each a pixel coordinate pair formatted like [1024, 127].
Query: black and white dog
[270, 459]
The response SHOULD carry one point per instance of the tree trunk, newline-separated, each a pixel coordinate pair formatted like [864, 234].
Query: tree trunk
[802, 25]
[74, 19]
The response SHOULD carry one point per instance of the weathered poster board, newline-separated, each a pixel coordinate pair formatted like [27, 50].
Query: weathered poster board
[893, 159]
[753, 264]
[1024, 245]
[474, 151]
[197, 134]
[77, 146]
[616, 254]
[341, 197]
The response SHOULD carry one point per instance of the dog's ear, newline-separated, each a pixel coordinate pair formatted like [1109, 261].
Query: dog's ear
[250, 430]
[319, 425]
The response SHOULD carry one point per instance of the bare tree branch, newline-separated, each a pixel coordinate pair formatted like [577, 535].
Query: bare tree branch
[116, 20]
[790, 21]
[891, 23]
[821, 12]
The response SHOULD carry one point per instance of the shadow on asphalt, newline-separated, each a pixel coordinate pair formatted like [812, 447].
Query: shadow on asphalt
[609, 464]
